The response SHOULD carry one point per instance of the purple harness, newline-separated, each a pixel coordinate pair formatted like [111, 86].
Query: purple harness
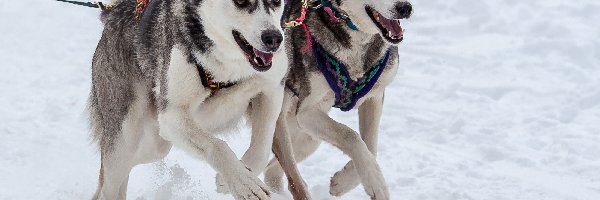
[347, 91]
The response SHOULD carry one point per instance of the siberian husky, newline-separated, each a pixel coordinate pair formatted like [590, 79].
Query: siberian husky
[179, 72]
[351, 39]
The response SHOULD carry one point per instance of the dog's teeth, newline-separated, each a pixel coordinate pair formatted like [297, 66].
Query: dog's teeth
[390, 34]
[256, 60]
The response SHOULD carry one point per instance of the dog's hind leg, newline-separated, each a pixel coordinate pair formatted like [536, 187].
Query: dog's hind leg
[145, 147]
[321, 125]
[100, 180]
[285, 156]
[369, 114]
[291, 146]
[115, 173]
[138, 143]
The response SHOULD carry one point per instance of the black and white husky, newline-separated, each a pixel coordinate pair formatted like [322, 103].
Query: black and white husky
[180, 72]
[350, 62]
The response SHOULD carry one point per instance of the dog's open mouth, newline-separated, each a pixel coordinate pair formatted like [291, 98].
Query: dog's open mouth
[261, 61]
[390, 28]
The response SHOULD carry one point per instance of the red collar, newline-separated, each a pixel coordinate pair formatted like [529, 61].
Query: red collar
[209, 82]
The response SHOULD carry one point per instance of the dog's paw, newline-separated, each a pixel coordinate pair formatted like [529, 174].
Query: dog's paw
[247, 187]
[221, 184]
[344, 180]
[369, 174]
[374, 184]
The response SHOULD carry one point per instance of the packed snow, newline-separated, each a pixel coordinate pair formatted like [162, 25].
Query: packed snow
[496, 99]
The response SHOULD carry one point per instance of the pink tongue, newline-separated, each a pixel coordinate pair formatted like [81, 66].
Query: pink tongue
[267, 58]
[386, 23]
[392, 26]
[396, 28]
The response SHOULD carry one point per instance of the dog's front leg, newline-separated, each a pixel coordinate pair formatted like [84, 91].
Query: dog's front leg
[265, 110]
[320, 125]
[178, 127]
[369, 115]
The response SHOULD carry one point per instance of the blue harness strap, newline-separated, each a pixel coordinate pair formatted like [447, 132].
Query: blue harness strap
[347, 91]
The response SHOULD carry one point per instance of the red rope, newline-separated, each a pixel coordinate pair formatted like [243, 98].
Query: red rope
[140, 6]
[300, 20]
[308, 39]
[332, 16]
[302, 15]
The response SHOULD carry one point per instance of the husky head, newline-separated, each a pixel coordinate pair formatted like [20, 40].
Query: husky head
[251, 26]
[378, 16]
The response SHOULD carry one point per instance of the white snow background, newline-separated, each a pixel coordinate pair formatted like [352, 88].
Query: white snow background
[497, 99]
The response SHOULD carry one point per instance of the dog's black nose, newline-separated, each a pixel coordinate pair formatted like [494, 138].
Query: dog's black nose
[404, 10]
[272, 39]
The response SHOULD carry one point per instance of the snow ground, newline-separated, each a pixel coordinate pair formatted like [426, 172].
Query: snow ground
[498, 99]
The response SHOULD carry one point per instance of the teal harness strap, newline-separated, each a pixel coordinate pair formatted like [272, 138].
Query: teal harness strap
[347, 91]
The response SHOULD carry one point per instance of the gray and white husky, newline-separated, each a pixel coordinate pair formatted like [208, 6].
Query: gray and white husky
[179, 73]
[365, 44]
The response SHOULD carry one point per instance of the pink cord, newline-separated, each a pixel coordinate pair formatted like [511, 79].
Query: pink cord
[331, 15]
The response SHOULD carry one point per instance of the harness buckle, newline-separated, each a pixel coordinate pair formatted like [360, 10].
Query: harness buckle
[292, 24]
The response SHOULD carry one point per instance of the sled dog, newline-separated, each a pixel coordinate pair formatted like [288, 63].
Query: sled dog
[350, 59]
[179, 72]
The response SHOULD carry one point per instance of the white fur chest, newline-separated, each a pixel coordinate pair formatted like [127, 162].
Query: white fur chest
[222, 110]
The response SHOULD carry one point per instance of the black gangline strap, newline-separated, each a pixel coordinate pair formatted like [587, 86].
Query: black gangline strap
[87, 4]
